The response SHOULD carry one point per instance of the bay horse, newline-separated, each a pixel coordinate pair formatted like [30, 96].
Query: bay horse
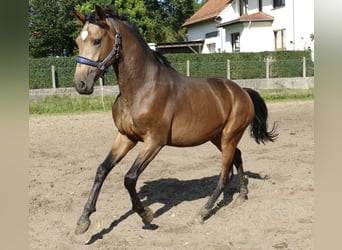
[158, 106]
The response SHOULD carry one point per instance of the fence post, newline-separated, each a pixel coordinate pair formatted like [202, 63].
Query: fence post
[53, 76]
[228, 69]
[101, 85]
[187, 67]
[304, 67]
[267, 68]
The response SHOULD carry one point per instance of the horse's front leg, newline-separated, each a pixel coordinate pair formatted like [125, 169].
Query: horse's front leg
[146, 155]
[120, 148]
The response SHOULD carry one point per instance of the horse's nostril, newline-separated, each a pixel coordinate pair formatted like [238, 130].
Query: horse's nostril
[82, 85]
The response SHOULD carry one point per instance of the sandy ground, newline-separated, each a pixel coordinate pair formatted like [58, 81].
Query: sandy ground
[65, 151]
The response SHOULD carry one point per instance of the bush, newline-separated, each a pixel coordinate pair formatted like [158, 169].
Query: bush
[40, 72]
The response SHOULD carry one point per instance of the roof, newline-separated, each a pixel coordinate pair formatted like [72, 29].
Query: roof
[180, 47]
[256, 17]
[209, 10]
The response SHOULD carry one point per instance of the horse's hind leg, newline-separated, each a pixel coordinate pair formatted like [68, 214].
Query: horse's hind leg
[120, 148]
[243, 180]
[237, 161]
[228, 147]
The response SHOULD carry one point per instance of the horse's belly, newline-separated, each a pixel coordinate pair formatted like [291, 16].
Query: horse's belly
[186, 135]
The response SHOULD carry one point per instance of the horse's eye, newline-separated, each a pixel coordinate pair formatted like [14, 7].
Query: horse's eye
[97, 41]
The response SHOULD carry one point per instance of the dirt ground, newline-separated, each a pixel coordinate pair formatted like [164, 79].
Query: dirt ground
[65, 151]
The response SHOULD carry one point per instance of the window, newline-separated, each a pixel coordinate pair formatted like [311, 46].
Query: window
[211, 47]
[279, 39]
[236, 42]
[211, 34]
[278, 3]
[243, 7]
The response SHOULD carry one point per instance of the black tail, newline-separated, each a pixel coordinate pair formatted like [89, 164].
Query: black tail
[258, 128]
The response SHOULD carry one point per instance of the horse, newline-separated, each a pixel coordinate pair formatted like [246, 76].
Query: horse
[159, 107]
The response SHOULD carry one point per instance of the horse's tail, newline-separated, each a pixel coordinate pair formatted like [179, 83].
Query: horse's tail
[258, 128]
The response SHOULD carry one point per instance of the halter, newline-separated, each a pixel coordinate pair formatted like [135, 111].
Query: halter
[114, 53]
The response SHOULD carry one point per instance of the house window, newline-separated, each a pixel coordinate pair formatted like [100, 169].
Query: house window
[279, 39]
[243, 7]
[211, 47]
[211, 34]
[278, 3]
[236, 42]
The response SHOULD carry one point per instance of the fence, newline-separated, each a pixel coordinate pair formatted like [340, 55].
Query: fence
[252, 69]
[59, 76]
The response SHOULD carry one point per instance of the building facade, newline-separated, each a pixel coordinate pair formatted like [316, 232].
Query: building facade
[253, 25]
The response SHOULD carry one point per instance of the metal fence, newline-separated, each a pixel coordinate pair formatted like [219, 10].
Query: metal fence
[54, 77]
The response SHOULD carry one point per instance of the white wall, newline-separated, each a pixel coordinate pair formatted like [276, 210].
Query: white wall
[257, 37]
[304, 23]
[297, 17]
[198, 31]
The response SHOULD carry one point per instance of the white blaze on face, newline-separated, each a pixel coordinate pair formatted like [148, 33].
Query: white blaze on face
[84, 34]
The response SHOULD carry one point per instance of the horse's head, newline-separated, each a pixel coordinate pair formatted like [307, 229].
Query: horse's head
[99, 43]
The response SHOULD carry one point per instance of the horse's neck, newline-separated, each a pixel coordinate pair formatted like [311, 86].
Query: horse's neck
[135, 68]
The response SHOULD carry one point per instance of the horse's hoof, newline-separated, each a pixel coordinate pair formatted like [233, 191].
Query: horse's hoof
[243, 197]
[204, 213]
[197, 220]
[240, 200]
[147, 215]
[82, 225]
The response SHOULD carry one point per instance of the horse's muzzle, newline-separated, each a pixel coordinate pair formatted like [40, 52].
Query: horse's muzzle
[83, 88]
[84, 84]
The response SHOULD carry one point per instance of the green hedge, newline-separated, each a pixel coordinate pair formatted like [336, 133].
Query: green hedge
[242, 66]
[40, 72]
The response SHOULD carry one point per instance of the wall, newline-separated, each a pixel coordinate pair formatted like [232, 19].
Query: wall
[257, 37]
[274, 83]
[198, 31]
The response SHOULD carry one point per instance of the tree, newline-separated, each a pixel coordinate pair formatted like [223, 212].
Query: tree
[51, 27]
[136, 12]
[178, 11]
[157, 20]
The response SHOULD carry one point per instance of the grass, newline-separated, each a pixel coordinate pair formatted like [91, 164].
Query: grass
[86, 104]
[276, 95]
[70, 104]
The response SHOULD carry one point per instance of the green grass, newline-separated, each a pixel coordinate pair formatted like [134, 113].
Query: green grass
[70, 104]
[276, 95]
[86, 104]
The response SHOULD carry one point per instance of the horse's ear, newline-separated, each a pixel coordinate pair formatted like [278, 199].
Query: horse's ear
[100, 14]
[79, 16]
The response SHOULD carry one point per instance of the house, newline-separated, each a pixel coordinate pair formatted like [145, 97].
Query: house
[252, 25]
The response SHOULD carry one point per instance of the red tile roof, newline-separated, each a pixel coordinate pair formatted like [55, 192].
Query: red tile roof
[256, 17]
[208, 11]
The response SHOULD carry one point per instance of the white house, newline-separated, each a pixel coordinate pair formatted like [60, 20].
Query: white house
[253, 25]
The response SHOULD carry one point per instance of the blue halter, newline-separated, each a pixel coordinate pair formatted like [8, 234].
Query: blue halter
[114, 53]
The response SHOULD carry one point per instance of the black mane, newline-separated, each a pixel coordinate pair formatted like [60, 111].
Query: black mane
[161, 58]
[110, 13]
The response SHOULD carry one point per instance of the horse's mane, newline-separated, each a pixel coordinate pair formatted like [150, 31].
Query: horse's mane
[110, 13]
